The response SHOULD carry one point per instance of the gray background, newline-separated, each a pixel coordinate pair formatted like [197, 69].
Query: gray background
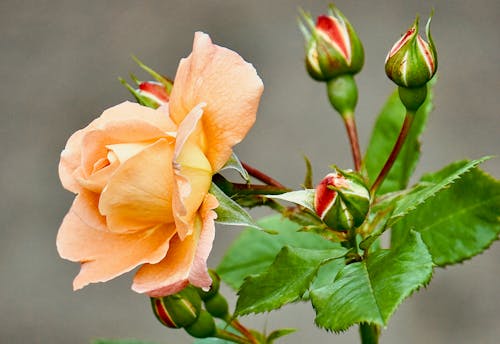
[59, 65]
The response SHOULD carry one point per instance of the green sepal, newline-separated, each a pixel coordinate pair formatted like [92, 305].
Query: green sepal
[234, 163]
[229, 212]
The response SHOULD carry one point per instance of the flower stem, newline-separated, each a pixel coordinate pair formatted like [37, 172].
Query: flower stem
[395, 151]
[369, 333]
[244, 331]
[352, 133]
[262, 176]
[226, 335]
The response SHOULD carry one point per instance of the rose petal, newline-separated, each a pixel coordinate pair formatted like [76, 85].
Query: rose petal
[132, 111]
[139, 194]
[185, 261]
[228, 85]
[193, 173]
[105, 255]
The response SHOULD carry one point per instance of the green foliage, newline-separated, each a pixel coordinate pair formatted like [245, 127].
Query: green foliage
[384, 135]
[278, 334]
[370, 291]
[285, 281]
[254, 251]
[229, 212]
[461, 221]
[432, 184]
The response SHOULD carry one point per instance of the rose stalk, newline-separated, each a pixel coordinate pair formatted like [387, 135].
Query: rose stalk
[411, 63]
[334, 54]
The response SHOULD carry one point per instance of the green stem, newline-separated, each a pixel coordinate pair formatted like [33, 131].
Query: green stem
[352, 133]
[395, 151]
[369, 333]
[222, 334]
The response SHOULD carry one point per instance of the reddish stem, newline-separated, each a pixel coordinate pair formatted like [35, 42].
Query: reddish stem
[352, 133]
[262, 176]
[395, 152]
[244, 331]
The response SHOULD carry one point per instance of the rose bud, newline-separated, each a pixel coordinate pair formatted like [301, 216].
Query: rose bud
[342, 200]
[333, 47]
[203, 327]
[217, 306]
[177, 310]
[214, 288]
[412, 62]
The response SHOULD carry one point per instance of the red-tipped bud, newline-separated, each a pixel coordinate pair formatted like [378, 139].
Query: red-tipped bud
[412, 61]
[342, 200]
[333, 47]
[178, 310]
[155, 91]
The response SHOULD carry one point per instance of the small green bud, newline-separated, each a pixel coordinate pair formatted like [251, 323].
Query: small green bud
[214, 288]
[332, 46]
[342, 200]
[217, 306]
[412, 62]
[203, 327]
[178, 310]
[343, 93]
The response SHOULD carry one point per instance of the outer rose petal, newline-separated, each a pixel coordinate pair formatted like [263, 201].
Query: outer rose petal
[106, 255]
[185, 261]
[126, 122]
[228, 85]
[139, 194]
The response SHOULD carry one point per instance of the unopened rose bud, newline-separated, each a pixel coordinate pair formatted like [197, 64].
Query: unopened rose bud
[178, 310]
[333, 47]
[203, 327]
[214, 288]
[342, 200]
[217, 306]
[154, 91]
[412, 61]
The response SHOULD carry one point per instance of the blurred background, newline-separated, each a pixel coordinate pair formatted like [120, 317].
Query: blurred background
[59, 65]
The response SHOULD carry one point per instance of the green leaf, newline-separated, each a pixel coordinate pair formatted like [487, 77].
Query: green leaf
[304, 198]
[229, 212]
[119, 341]
[254, 250]
[235, 164]
[370, 291]
[278, 334]
[460, 221]
[433, 185]
[384, 135]
[212, 340]
[285, 281]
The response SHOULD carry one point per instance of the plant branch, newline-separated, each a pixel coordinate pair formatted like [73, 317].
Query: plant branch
[395, 151]
[226, 335]
[352, 133]
[262, 176]
[244, 331]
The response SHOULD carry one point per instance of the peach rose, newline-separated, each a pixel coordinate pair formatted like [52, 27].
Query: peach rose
[142, 176]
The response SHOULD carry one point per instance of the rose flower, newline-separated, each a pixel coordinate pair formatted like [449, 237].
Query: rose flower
[142, 176]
